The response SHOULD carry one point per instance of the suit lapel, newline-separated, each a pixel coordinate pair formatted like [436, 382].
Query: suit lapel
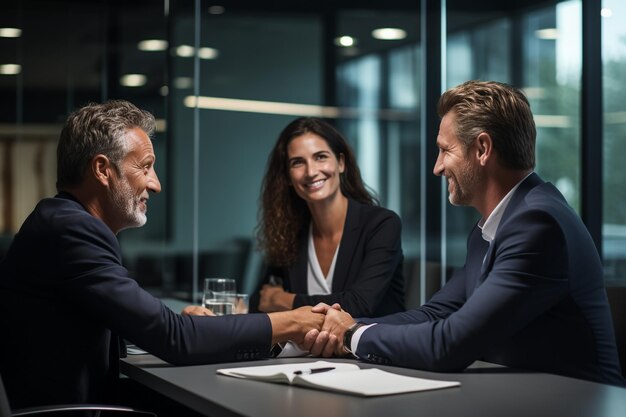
[528, 184]
[347, 246]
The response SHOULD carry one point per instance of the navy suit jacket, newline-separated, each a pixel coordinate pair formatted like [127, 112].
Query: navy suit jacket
[536, 302]
[368, 279]
[64, 296]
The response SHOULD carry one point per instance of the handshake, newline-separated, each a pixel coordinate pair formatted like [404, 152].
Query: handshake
[319, 329]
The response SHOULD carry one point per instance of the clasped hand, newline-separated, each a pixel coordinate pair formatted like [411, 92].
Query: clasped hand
[328, 341]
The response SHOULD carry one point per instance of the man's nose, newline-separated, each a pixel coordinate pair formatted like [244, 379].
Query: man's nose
[438, 168]
[154, 184]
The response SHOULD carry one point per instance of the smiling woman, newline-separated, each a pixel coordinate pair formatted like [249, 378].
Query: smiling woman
[325, 237]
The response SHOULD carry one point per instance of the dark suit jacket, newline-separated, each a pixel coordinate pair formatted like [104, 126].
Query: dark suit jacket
[64, 292]
[536, 302]
[368, 279]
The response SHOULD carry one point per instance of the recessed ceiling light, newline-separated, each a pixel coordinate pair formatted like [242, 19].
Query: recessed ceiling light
[133, 80]
[208, 53]
[10, 69]
[606, 12]
[185, 51]
[10, 32]
[548, 33]
[152, 45]
[216, 9]
[345, 41]
[389, 34]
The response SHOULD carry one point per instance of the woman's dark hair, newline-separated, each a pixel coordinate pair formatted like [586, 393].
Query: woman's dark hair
[283, 214]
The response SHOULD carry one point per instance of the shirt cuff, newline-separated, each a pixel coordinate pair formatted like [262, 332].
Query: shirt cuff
[354, 343]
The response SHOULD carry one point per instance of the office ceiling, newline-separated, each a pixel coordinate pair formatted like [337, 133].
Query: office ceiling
[66, 44]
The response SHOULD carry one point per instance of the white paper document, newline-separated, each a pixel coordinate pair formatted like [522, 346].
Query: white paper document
[340, 377]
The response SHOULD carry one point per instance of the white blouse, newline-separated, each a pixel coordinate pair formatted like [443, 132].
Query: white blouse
[317, 283]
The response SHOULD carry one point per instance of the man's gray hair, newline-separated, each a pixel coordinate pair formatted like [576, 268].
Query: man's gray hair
[97, 129]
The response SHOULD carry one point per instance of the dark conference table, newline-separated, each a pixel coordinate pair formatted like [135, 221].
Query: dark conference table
[485, 391]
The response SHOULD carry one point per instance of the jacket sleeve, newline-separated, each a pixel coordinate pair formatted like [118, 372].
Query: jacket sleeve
[96, 285]
[383, 255]
[528, 276]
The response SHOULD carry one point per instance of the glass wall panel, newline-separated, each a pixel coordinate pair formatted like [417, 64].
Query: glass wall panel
[614, 212]
[378, 91]
[539, 50]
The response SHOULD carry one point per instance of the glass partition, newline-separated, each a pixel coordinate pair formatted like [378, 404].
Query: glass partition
[537, 49]
[614, 212]
[224, 80]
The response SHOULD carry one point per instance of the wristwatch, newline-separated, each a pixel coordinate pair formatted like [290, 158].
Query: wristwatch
[347, 337]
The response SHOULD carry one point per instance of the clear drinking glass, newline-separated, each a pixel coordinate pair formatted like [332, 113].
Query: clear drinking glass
[220, 295]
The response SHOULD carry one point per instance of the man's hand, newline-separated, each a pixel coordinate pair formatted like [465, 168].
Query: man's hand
[329, 340]
[275, 298]
[295, 324]
[196, 311]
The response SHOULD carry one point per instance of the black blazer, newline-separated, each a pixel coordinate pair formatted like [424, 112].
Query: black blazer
[533, 299]
[64, 295]
[368, 280]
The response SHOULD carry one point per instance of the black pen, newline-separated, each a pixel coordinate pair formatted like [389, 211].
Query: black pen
[313, 371]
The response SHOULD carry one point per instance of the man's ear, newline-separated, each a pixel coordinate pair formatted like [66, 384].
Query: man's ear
[484, 148]
[101, 169]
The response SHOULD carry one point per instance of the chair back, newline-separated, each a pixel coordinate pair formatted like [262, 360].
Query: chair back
[5, 409]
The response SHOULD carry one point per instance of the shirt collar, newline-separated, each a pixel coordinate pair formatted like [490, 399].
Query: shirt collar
[489, 227]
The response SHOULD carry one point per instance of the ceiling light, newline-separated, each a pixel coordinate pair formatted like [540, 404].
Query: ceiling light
[10, 32]
[133, 80]
[548, 33]
[164, 91]
[208, 53]
[389, 34]
[152, 45]
[606, 12]
[185, 51]
[10, 69]
[345, 41]
[216, 9]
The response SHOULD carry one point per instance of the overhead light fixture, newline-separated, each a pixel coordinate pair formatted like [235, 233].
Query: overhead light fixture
[133, 80]
[345, 41]
[216, 9]
[152, 45]
[187, 51]
[10, 69]
[164, 91]
[389, 34]
[547, 34]
[208, 53]
[10, 32]
[606, 12]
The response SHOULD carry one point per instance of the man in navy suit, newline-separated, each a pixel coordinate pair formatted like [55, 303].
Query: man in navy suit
[65, 296]
[531, 293]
